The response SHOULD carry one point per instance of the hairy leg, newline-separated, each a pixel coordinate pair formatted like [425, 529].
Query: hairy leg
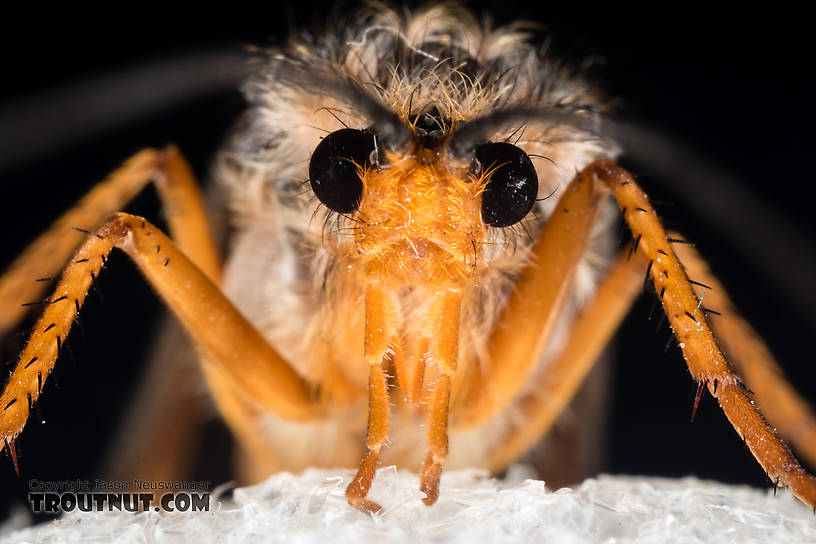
[47, 255]
[156, 441]
[783, 406]
[705, 361]
[236, 352]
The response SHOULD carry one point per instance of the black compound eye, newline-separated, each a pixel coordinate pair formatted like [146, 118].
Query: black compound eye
[513, 186]
[333, 168]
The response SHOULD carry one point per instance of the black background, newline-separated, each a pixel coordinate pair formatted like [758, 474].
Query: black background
[734, 85]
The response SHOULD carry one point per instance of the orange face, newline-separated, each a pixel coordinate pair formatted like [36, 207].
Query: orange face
[418, 222]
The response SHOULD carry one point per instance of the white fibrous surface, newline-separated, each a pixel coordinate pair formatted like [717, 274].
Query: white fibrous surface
[311, 508]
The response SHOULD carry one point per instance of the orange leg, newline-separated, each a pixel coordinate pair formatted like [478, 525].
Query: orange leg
[186, 214]
[705, 361]
[556, 386]
[234, 349]
[156, 441]
[527, 320]
[47, 255]
[443, 353]
[779, 401]
[379, 328]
